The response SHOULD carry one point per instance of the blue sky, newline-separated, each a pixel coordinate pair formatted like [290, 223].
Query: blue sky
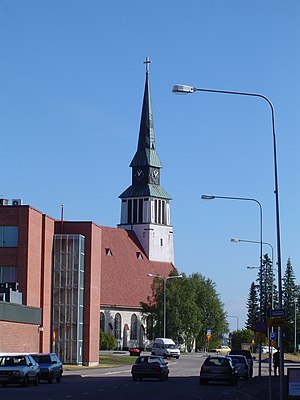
[71, 86]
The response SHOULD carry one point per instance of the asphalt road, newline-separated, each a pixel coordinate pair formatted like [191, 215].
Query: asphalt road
[116, 383]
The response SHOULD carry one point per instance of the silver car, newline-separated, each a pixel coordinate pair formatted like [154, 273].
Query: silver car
[18, 368]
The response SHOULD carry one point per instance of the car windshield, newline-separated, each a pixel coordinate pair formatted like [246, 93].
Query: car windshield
[10, 361]
[42, 359]
[150, 360]
[216, 362]
[171, 346]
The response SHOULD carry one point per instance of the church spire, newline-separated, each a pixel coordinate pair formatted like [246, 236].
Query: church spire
[146, 154]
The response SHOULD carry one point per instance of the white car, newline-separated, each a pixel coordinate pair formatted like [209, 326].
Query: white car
[223, 350]
[265, 349]
[18, 368]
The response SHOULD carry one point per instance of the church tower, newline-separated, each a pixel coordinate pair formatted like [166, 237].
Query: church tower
[145, 207]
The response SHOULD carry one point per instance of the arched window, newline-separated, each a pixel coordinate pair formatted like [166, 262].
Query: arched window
[118, 324]
[102, 321]
[133, 327]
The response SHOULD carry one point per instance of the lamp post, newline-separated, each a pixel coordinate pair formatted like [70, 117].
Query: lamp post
[295, 325]
[236, 240]
[184, 89]
[165, 278]
[212, 197]
[237, 320]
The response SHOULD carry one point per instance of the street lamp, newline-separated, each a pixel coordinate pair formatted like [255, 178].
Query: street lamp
[236, 240]
[237, 320]
[212, 197]
[184, 89]
[165, 278]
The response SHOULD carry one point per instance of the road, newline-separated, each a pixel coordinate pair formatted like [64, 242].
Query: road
[117, 384]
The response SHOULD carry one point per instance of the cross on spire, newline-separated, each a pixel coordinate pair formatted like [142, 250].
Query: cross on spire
[147, 62]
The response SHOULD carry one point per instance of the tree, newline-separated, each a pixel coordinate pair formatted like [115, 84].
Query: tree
[241, 336]
[289, 297]
[252, 306]
[192, 307]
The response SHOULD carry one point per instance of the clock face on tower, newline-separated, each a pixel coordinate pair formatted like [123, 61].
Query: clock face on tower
[139, 174]
[154, 176]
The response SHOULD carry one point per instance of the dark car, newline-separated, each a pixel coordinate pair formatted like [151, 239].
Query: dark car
[150, 367]
[241, 363]
[18, 368]
[50, 366]
[218, 368]
[247, 354]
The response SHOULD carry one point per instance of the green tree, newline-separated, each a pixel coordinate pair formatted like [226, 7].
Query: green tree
[241, 336]
[107, 341]
[289, 297]
[252, 306]
[192, 307]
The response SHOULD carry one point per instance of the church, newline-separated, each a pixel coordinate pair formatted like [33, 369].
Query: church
[62, 281]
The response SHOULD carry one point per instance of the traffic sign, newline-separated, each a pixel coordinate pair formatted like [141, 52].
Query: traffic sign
[273, 336]
[278, 313]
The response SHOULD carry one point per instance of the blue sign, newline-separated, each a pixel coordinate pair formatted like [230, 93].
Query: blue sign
[273, 336]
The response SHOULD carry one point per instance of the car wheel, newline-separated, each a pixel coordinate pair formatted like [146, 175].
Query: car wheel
[166, 377]
[134, 378]
[25, 381]
[50, 379]
[58, 379]
[202, 381]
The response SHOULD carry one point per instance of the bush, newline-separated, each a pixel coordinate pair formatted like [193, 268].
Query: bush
[107, 341]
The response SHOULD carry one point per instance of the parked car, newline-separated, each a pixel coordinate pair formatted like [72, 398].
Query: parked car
[218, 368]
[241, 363]
[18, 368]
[134, 351]
[248, 356]
[150, 367]
[223, 349]
[50, 366]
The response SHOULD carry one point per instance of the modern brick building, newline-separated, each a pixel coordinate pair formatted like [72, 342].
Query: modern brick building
[61, 281]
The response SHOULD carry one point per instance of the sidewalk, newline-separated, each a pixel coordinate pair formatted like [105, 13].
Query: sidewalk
[261, 388]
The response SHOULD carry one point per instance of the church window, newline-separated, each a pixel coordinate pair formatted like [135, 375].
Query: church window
[133, 328]
[102, 321]
[159, 211]
[163, 213]
[118, 323]
[140, 219]
[129, 215]
[155, 211]
[135, 204]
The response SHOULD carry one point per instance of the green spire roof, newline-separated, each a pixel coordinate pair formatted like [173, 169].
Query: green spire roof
[146, 154]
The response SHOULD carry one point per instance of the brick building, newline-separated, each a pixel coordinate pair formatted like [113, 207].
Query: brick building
[61, 281]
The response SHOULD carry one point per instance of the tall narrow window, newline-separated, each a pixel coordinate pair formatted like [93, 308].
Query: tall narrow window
[133, 328]
[118, 324]
[141, 202]
[163, 213]
[102, 321]
[135, 211]
[129, 216]
[155, 211]
[159, 211]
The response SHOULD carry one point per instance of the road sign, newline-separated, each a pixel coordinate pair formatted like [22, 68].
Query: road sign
[273, 336]
[278, 313]
[277, 321]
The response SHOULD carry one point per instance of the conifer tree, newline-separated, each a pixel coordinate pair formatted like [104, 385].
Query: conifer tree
[252, 306]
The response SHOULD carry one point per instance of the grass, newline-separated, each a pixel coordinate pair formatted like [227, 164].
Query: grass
[106, 361]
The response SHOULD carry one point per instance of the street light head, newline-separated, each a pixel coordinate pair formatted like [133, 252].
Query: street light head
[250, 267]
[235, 240]
[183, 89]
[149, 274]
[207, 197]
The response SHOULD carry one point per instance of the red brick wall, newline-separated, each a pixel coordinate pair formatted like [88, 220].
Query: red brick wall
[17, 337]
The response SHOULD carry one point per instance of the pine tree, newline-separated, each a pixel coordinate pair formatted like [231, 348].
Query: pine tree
[252, 306]
[290, 293]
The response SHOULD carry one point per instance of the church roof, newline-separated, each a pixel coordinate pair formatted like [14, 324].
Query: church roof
[124, 280]
[146, 154]
[148, 190]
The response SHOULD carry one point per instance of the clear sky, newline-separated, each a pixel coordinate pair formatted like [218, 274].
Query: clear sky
[71, 87]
